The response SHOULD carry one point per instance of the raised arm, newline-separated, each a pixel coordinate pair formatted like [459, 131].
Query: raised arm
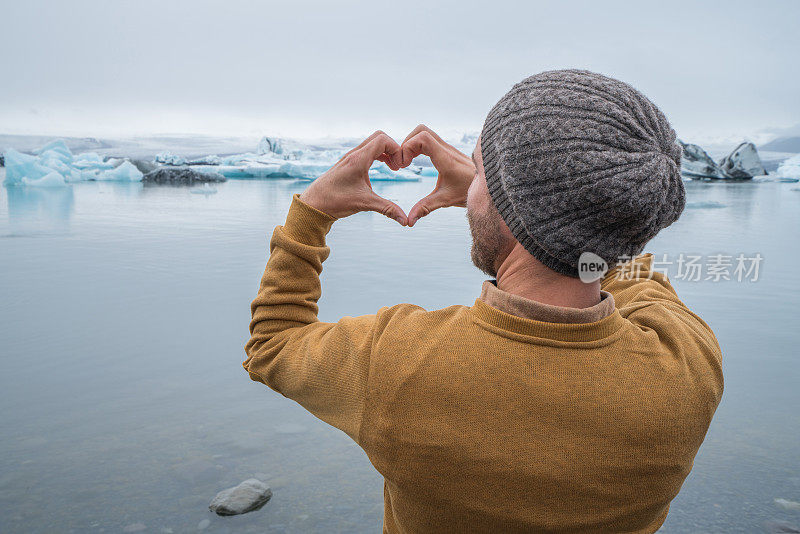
[322, 366]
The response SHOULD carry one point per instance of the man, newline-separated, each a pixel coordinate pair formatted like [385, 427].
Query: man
[551, 404]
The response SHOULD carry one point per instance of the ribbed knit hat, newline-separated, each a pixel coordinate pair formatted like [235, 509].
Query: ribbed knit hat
[579, 162]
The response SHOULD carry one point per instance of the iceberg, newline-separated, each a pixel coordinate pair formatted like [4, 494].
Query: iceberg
[268, 145]
[55, 157]
[743, 162]
[19, 166]
[91, 160]
[696, 163]
[206, 160]
[52, 179]
[58, 146]
[127, 172]
[273, 158]
[167, 158]
[789, 168]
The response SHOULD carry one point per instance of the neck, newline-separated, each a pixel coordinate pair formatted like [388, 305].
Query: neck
[522, 274]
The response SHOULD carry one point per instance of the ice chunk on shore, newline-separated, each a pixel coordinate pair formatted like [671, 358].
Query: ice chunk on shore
[127, 172]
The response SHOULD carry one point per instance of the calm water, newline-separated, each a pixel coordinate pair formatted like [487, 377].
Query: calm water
[125, 310]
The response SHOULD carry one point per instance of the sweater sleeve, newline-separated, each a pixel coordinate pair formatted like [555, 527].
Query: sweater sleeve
[322, 366]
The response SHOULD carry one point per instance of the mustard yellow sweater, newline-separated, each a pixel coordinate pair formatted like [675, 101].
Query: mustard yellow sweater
[483, 421]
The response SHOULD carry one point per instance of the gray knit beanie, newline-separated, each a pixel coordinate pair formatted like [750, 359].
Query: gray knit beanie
[579, 162]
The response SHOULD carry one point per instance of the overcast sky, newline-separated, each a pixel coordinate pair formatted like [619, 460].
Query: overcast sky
[308, 69]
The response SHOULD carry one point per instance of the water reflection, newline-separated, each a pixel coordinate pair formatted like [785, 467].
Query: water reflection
[34, 210]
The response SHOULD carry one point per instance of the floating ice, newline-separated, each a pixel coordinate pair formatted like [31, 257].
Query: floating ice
[268, 145]
[381, 172]
[58, 146]
[55, 157]
[207, 160]
[167, 158]
[428, 171]
[790, 168]
[743, 162]
[90, 160]
[274, 158]
[127, 172]
[696, 162]
[52, 179]
[19, 166]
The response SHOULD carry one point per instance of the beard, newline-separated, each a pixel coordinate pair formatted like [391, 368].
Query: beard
[487, 240]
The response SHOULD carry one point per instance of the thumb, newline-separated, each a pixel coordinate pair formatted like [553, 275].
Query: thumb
[385, 207]
[424, 207]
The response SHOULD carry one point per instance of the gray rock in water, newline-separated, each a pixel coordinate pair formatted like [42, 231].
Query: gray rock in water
[181, 175]
[2, 161]
[744, 162]
[250, 495]
[696, 163]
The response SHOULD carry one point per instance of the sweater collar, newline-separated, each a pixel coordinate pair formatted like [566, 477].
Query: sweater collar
[528, 317]
[539, 311]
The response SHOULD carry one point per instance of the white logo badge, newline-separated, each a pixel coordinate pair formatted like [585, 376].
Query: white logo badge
[591, 267]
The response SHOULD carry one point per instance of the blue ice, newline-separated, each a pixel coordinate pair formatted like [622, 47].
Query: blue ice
[55, 157]
[127, 172]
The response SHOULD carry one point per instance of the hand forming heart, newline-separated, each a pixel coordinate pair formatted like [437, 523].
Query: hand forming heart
[345, 188]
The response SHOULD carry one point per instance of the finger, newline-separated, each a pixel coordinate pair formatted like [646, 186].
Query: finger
[380, 144]
[389, 160]
[363, 143]
[425, 206]
[444, 144]
[377, 203]
[422, 143]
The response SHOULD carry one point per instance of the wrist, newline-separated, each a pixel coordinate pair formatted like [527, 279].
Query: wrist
[309, 198]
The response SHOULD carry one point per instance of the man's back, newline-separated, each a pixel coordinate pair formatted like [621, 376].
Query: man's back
[488, 422]
[483, 421]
